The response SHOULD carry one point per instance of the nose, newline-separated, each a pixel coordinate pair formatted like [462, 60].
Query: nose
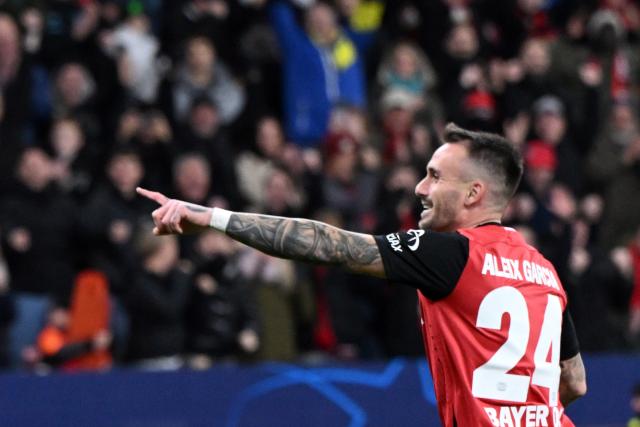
[422, 188]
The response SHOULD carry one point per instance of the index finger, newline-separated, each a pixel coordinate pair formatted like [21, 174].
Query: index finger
[159, 198]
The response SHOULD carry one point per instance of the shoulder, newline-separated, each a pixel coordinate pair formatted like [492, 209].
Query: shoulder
[494, 233]
[455, 237]
[416, 239]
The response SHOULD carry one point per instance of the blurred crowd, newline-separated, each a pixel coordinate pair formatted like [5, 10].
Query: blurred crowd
[326, 110]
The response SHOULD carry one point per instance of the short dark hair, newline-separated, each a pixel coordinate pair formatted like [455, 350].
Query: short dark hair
[124, 150]
[492, 152]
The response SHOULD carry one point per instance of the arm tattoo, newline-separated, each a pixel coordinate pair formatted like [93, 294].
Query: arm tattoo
[307, 240]
[195, 208]
[572, 379]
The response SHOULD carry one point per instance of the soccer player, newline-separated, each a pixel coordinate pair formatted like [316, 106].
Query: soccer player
[501, 345]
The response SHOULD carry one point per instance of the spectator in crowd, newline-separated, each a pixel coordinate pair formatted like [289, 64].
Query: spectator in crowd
[610, 52]
[74, 158]
[221, 314]
[322, 67]
[67, 29]
[398, 207]
[467, 89]
[281, 297]
[398, 111]
[614, 166]
[271, 151]
[551, 127]
[200, 73]
[192, 181]
[348, 119]
[347, 180]
[254, 166]
[459, 62]
[203, 130]
[41, 249]
[53, 348]
[15, 86]
[545, 205]
[532, 19]
[149, 131]
[428, 22]
[75, 95]
[193, 177]
[203, 133]
[348, 308]
[599, 286]
[192, 97]
[407, 69]
[399, 211]
[281, 194]
[110, 219]
[210, 19]
[135, 49]
[156, 303]
[530, 76]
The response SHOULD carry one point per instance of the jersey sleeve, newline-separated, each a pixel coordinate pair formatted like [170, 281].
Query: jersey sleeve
[429, 261]
[569, 346]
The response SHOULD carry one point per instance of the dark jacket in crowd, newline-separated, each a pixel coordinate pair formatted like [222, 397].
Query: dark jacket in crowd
[216, 318]
[115, 257]
[598, 300]
[156, 308]
[46, 264]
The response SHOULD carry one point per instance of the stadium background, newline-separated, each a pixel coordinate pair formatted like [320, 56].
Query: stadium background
[268, 106]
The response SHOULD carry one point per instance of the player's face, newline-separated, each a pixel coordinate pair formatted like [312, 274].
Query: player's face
[442, 190]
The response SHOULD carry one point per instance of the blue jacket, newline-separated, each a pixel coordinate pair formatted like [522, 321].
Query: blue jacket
[313, 82]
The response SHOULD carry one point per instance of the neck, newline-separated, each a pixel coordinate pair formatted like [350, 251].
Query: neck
[489, 217]
[490, 221]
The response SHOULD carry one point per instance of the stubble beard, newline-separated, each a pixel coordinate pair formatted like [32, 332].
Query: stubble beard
[441, 216]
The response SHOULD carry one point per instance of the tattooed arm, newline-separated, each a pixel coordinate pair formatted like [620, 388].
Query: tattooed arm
[573, 383]
[299, 239]
[307, 240]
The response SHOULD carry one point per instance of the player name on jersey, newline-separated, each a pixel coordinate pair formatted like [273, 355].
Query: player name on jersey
[516, 269]
[524, 416]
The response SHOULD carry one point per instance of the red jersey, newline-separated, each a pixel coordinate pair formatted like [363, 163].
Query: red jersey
[493, 339]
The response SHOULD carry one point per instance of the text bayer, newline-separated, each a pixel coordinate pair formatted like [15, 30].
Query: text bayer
[524, 416]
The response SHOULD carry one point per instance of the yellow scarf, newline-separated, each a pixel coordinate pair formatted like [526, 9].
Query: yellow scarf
[344, 53]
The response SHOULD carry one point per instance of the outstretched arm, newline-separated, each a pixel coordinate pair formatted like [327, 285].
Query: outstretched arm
[299, 239]
[307, 240]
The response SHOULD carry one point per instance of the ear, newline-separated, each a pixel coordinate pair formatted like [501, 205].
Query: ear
[475, 193]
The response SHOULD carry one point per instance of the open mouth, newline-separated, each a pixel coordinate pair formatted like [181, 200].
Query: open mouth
[426, 208]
